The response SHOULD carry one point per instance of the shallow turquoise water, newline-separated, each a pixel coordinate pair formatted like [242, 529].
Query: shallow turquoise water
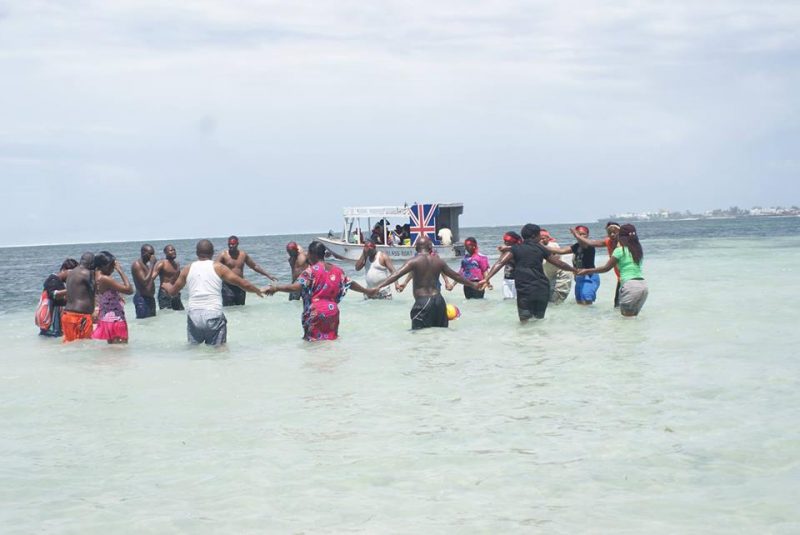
[683, 420]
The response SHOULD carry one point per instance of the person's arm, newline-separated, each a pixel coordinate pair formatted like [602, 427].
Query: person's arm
[371, 292]
[400, 286]
[258, 269]
[126, 286]
[226, 274]
[560, 250]
[448, 284]
[157, 268]
[587, 242]
[337, 256]
[142, 273]
[612, 261]
[151, 275]
[362, 260]
[173, 288]
[406, 268]
[288, 288]
[484, 266]
[501, 262]
[456, 276]
[561, 264]
[387, 263]
[113, 284]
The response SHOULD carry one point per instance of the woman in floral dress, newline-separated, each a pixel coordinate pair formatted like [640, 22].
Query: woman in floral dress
[322, 286]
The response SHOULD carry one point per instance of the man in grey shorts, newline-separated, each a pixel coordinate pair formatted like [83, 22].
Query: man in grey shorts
[205, 321]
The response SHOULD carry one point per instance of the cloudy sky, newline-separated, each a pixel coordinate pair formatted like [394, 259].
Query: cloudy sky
[140, 119]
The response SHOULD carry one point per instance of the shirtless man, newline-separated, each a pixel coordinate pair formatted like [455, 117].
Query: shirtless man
[298, 261]
[143, 272]
[235, 260]
[76, 321]
[430, 308]
[379, 266]
[168, 270]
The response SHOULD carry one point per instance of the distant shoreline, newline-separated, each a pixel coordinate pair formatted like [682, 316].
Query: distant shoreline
[694, 218]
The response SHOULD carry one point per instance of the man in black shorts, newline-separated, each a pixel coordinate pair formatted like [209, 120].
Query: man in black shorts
[236, 259]
[430, 308]
[143, 273]
[533, 286]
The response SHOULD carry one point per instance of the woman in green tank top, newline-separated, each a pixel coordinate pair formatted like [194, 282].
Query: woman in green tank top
[628, 258]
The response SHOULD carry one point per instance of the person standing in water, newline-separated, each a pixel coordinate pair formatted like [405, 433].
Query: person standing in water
[379, 267]
[474, 266]
[143, 272]
[610, 243]
[205, 320]
[322, 285]
[509, 287]
[628, 258]
[586, 286]
[56, 290]
[560, 280]
[76, 320]
[298, 261]
[533, 288]
[430, 308]
[168, 270]
[236, 259]
[111, 324]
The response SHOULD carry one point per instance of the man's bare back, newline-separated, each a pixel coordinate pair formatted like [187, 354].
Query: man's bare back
[426, 269]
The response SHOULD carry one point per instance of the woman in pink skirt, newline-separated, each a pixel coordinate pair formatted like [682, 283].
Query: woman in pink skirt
[111, 324]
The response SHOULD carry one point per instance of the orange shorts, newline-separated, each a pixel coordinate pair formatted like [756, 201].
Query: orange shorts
[76, 325]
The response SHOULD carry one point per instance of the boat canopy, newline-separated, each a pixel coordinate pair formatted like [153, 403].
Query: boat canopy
[421, 218]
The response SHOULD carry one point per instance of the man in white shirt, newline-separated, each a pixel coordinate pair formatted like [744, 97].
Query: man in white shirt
[205, 321]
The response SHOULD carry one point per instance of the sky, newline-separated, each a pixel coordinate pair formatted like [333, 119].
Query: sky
[143, 119]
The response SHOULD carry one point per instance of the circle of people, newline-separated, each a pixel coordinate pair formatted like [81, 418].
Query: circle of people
[84, 299]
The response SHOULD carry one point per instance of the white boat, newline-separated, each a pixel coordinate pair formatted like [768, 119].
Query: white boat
[420, 219]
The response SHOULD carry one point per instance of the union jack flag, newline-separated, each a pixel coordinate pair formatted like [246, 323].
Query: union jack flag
[423, 221]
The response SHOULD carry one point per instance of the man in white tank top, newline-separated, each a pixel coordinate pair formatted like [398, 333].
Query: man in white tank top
[205, 321]
[379, 267]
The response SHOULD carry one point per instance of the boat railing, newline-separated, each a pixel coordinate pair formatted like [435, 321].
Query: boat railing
[377, 211]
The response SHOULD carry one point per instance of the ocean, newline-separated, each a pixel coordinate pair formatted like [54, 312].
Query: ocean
[683, 420]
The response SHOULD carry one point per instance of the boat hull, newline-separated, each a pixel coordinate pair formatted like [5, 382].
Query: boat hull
[352, 251]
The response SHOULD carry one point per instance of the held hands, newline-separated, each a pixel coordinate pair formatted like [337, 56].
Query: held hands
[371, 292]
[269, 290]
[482, 285]
[399, 286]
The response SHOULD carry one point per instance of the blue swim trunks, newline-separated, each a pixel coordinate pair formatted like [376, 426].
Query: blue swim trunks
[145, 306]
[586, 287]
